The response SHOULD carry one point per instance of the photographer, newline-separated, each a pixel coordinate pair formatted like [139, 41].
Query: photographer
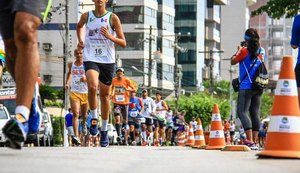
[249, 56]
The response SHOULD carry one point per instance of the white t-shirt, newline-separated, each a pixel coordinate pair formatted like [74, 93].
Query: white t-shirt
[149, 106]
[194, 125]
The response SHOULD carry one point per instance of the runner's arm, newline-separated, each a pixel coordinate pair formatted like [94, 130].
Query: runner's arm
[120, 38]
[142, 106]
[80, 30]
[67, 85]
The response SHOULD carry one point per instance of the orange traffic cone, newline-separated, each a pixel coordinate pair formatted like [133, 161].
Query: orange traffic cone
[191, 139]
[181, 139]
[97, 141]
[199, 136]
[186, 134]
[216, 135]
[90, 141]
[283, 138]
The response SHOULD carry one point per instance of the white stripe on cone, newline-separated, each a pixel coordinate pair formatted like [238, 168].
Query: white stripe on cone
[199, 127]
[191, 138]
[286, 87]
[216, 117]
[216, 134]
[286, 124]
[199, 137]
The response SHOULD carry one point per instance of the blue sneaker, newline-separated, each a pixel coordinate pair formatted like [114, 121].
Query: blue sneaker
[94, 127]
[104, 142]
[35, 113]
[16, 132]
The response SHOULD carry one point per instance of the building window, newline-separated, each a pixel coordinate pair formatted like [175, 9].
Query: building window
[150, 12]
[135, 41]
[130, 14]
[168, 18]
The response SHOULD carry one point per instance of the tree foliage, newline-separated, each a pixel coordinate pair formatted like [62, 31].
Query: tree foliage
[48, 92]
[278, 8]
[201, 104]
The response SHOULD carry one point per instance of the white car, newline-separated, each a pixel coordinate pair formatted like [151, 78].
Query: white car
[4, 117]
[46, 129]
[112, 134]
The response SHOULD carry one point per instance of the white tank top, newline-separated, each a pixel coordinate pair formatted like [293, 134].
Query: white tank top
[160, 114]
[77, 73]
[97, 47]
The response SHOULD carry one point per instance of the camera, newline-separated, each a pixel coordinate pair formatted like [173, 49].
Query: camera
[243, 43]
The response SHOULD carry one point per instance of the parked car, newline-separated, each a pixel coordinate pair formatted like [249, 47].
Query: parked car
[112, 134]
[4, 117]
[46, 130]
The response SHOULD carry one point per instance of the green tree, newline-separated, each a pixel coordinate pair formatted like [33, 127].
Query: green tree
[277, 8]
[47, 92]
[200, 105]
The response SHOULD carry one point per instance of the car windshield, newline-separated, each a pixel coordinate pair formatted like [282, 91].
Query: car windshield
[3, 114]
[109, 128]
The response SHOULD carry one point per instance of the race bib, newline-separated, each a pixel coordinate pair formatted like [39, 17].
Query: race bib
[98, 50]
[120, 98]
[76, 81]
[134, 113]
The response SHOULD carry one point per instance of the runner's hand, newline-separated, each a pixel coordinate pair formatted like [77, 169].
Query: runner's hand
[104, 32]
[80, 45]
[67, 86]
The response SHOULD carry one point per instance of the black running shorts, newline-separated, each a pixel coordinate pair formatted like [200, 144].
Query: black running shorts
[106, 71]
[8, 9]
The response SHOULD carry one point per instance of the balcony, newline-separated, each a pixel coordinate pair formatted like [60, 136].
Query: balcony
[250, 2]
[221, 2]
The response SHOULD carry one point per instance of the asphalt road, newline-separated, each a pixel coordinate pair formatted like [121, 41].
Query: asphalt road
[138, 160]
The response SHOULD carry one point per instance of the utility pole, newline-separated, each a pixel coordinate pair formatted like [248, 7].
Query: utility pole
[66, 54]
[150, 57]
[178, 69]
[150, 61]
[211, 67]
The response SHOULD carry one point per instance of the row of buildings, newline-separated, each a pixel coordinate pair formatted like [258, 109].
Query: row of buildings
[197, 35]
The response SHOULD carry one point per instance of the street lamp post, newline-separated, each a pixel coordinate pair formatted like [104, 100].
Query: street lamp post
[211, 67]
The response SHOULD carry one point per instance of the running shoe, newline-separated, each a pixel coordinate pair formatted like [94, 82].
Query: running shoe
[104, 142]
[94, 127]
[16, 132]
[76, 141]
[144, 143]
[35, 112]
[133, 143]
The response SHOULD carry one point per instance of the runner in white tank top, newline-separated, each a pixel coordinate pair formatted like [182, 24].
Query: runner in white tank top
[97, 47]
[76, 82]
[160, 123]
[102, 30]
